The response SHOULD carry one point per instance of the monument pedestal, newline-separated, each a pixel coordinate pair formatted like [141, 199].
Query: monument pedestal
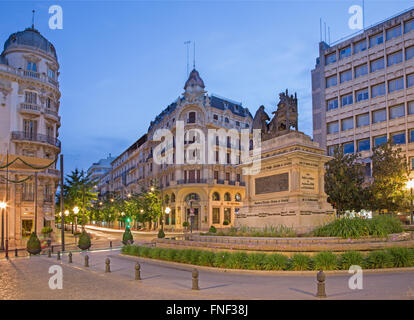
[289, 187]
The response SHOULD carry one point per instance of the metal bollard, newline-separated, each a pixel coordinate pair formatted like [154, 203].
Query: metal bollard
[137, 271]
[70, 257]
[108, 266]
[110, 244]
[58, 255]
[49, 254]
[320, 277]
[195, 280]
[87, 261]
[52, 248]
[16, 254]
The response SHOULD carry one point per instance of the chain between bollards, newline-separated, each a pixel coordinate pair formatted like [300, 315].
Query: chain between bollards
[320, 277]
[58, 255]
[107, 265]
[137, 271]
[195, 280]
[70, 257]
[86, 261]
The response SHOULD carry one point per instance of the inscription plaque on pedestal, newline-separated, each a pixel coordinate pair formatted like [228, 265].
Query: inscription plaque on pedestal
[274, 183]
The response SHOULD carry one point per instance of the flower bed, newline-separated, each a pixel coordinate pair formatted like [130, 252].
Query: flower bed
[325, 260]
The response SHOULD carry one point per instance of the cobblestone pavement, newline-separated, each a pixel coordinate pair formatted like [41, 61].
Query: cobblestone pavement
[27, 278]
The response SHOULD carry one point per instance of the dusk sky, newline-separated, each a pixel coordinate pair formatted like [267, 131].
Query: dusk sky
[123, 62]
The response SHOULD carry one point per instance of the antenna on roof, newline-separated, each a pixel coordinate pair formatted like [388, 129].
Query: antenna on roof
[320, 29]
[194, 56]
[33, 12]
[187, 43]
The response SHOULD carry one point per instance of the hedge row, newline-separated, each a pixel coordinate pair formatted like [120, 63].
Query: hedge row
[326, 260]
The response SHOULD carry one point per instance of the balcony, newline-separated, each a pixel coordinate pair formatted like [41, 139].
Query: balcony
[30, 74]
[51, 112]
[42, 138]
[189, 181]
[29, 108]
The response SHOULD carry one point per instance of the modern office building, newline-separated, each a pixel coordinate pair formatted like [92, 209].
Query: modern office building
[29, 124]
[363, 89]
[212, 192]
[100, 168]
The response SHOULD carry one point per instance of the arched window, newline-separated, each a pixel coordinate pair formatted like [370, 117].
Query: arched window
[172, 197]
[237, 197]
[227, 197]
[216, 196]
[191, 117]
[192, 196]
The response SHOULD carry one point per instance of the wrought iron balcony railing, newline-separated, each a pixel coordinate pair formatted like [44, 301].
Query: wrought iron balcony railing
[25, 136]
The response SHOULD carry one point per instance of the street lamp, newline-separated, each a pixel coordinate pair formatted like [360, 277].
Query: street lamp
[3, 206]
[167, 211]
[66, 214]
[410, 185]
[76, 211]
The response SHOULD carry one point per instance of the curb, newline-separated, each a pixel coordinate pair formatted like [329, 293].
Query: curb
[190, 267]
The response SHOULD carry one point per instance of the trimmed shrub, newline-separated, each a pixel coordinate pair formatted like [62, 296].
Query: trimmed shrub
[186, 224]
[84, 241]
[155, 253]
[351, 258]
[401, 257]
[194, 256]
[220, 259]
[237, 260]
[226, 223]
[127, 237]
[33, 245]
[212, 229]
[145, 252]
[300, 262]
[161, 234]
[379, 259]
[325, 260]
[206, 258]
[171, 254]
[276, 262]
[47, 231]
[256, 261]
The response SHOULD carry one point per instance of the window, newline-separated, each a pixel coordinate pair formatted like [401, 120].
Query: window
[380, 140]
[227, 215]
[362, 95]
[332, 104]
[409, 26]
[377, 64]
[410, 80]
[216, 175]
[409, 53]
[30, 128]
[397, 111]
[360, 46]
[411, 135]
[347, 100]
[333, 127]
[367, 169]
[173, 216]
[398, 138]
[31, 66]
[216, 215]
[396, 84]
[51, 74]
[216, 196]
[410, 108]
[30, 97]
[330, 58]
[379, 116]
[238, 177]
[394, 58]
[412, 163]
[376, 40]
[347, 124]
[349, 147]
[227, 197]
[363, 145]
[226, 120]
[362, 120]
[345, 76]
[378, 90]
[215, 117]
[49, 131]
[361, 70]
[331, 81]
[393, 32]
[345, 52]
[331, 150]
[191, 117]
[228, 176]
[237, 123]
[237, 197]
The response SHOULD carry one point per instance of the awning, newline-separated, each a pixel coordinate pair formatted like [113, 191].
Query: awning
[24, 163]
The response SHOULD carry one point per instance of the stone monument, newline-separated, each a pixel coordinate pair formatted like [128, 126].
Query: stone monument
[289, 187]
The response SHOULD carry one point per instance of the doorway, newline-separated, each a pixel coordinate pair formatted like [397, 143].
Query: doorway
[27, 228]
[195, 219]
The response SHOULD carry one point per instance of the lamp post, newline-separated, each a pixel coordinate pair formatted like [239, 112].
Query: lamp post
[76, 211]
[167, 211]
[410, 185]
[2, 207]
[66, 214]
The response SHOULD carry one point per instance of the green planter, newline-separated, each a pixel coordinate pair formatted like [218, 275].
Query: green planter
[127, 237]
[33, 245]
[84, 241]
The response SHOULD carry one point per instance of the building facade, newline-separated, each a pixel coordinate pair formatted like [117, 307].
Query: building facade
[363, 90]
[210, 193]
[100, 168]
[29, 124]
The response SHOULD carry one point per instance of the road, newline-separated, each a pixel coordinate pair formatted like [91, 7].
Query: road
[28, 278]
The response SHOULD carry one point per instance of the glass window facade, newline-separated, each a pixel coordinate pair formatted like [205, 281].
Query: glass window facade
[345, 52]
[363, 145]
[347, 100]
[393, 32]
[398, 138]
[378, 90]
[345, 76]
[409, 53]
[377, 64]
[362, 95]
[394, 58]
[362, 120]
[347, 124]
[379, 115]
[361, 70]
[333, 127]
[410, 107]
[331, 81]
[411, 135]
[330, 58]
[409, 26]
[396, 84]
[397, 111]
[380, 140]
[360, 46]
[349, 147]
[410, 80]
[332, 104]
[376, 40]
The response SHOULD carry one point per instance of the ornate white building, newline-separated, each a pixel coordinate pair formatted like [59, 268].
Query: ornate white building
[29, 123]
[213, 192]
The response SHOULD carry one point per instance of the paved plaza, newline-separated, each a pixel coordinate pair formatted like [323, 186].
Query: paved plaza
[28, 278]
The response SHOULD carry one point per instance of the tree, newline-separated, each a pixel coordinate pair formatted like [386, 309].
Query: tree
[390, 173]
[151, 203]
[344, 179]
